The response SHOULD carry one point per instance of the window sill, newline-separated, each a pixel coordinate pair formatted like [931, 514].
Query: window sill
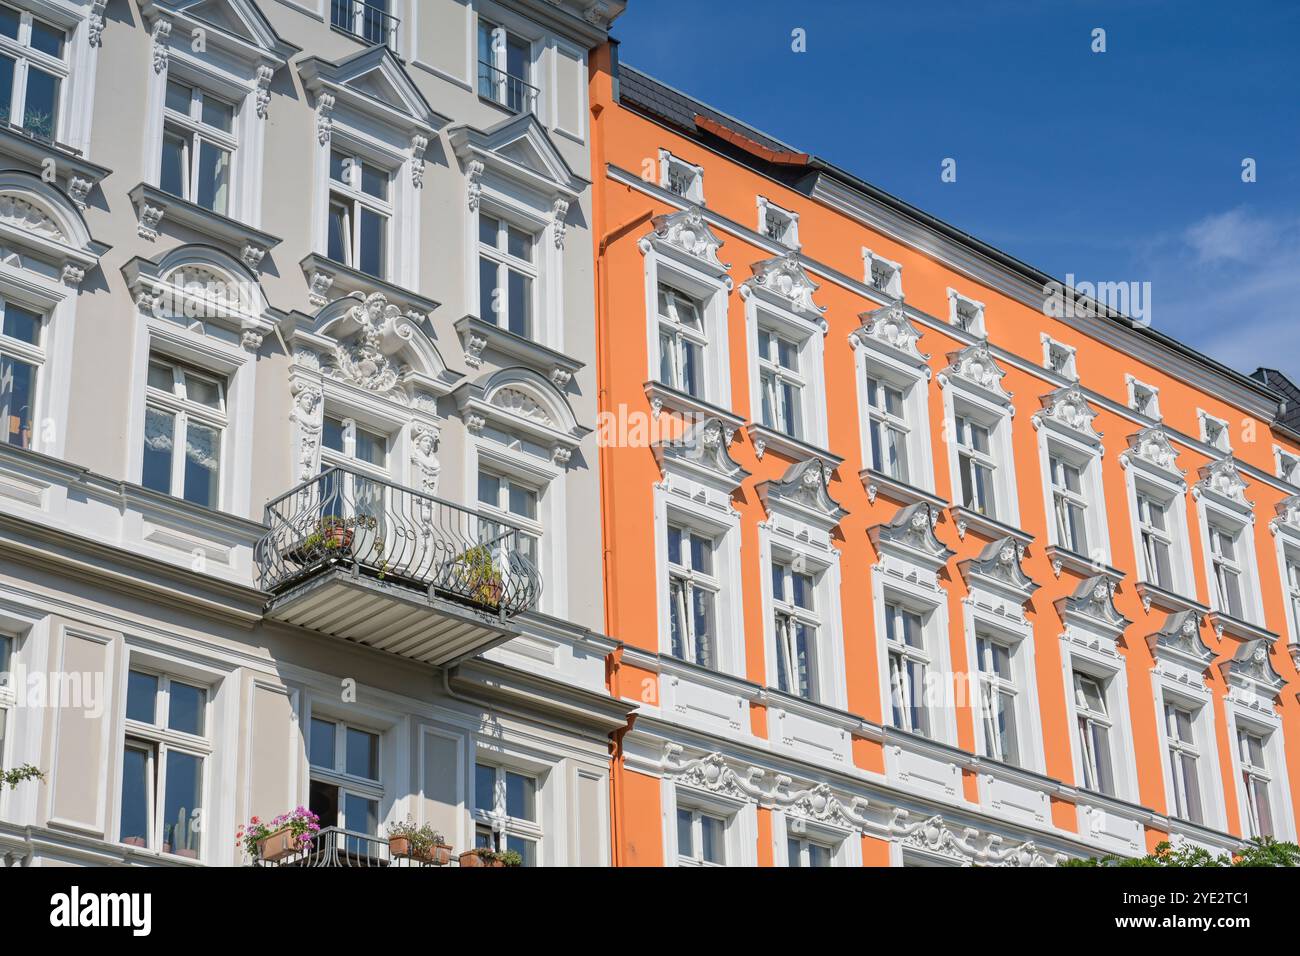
[79, 174]
[153, 206]
[769, 439]
[478, 336]
[1154, 595]
[878, 483]
[663, 397]
[1065, 559]
[328, 280]
[967, 519]
[1236, 627]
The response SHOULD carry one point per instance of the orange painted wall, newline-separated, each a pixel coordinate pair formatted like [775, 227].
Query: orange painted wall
[629, 141]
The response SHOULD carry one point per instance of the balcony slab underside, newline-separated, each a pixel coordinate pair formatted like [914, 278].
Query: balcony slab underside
[389, 617]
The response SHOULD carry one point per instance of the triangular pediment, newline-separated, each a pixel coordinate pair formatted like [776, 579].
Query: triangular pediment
[373, 77]
[519, 148]
[240, 21]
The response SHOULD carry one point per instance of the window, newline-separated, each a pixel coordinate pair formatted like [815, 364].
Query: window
[1227, 571]
[1094, 727]
[805, 853]
[1183, 756]
[692, 596]
[360, 212]
[518, 503]
[1288, 466]
[1293, 590]
[183, 407]
[1059, 358]
[1069, 505]
[908, 661]
[779, 225]
[1144, 399]
[1157, 541]
[506, 275]
[1255, 778]
[681, 341]
[965, 313]
[505, 812]
[6, 655]
[1214, 432]
[163, 758]
[781, 385]
[197, 146]
[998, 699]
[33, 69]
[701, 838]
[345, 790]
[796, 627]
[887, 428]
[368, 19]
[21, 358]
[680, 177]
[505, 68]
[975, 466]
[882, 275]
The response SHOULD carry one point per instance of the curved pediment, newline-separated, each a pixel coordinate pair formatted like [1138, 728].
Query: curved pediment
[686, 235]
[804, 488]
[40, 225]
[888, 328]
[911, 533]
[702, 449]
[519, 401]
[1251, 664]
[1000, 564]
[1180, 638]
[1068, 409]
[975, 367]
[1093, 602]
[1222, 481]
[783, 281]
[1151, 448]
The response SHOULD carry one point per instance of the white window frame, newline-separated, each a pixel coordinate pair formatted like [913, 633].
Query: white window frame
[504, 28]
[811, 375]
[505, 263]
[1267, 726]
[1239, 527]
[711, 294]
[1215, 432]
[777, 223]
[882, 275]
[674, 170]
[25, 57]
[1108, 670]
[498, 820]
[740, 832]
[1288, 559]
[790, 552]
[1171, 495]
[964, 451]
[1175, 748]
[1143, 398]
[682, 336]
[183, 411]
[355, 199]
[842, 845]
[337, 775]
[958, 305]
[196, 132]
[912, 379]
[34, 356]
[1068, 366]
[1092, 496]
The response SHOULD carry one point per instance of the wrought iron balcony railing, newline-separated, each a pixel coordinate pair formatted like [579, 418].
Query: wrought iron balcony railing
[369, 21]
[345, 519]
[512, 92]
[337, 847]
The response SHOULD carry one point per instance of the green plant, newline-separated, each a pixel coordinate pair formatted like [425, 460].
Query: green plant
[512, 858]
[334, 533]
[303, 823]
[477, 575]
[423, 839]
[19, 774]
[1261, 851]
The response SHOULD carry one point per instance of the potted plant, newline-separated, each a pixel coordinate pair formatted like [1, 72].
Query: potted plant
[288, 833]
[486, 856]
[405, 839]
[512, 858]
[478, 576]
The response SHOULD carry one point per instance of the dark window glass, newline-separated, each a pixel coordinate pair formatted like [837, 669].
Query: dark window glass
[322, 744]
[181, 808]
[362, 754]
[141, 697]
[47, 39]
[185, 707]
[40, 112]
[135, 797]
[21, 324]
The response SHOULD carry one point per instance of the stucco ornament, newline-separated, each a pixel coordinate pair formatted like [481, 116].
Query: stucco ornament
[687, 231]
[365, 360]
[1152, 445]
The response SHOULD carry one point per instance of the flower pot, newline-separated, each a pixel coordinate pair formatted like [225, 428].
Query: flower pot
[440, 854]
[494, 863]
[399, 846]
[470, 858]
[277, 845]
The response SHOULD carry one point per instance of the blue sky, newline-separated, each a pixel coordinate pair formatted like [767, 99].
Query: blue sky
[1121, 166]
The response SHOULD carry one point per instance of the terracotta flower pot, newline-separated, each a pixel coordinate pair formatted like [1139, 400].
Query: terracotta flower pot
[470, 858]
[440, 854]
[277, 845]
[399, 846]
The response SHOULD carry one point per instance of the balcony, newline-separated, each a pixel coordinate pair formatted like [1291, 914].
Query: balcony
[347, 848]
[370, 22]
[513, 92]
[356, 557]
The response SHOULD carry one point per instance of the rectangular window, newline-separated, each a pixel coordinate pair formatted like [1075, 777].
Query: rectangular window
[1183, 757]
[345, 789]
[681, 341]
[163, 758]
[21, 359]
[1157, 541]
[360, 214]
[781, 385]
[998, 697]
[701, 838]
[506, 812]
[908, 662]
[369, 20]
[33, 71]
[505, 68]
[1069, 505]
[1255, 778]
[507, 275]
[1293, 590]
[888, 428]
[692, 596]
[1227, 571]
[1094, 727]
[185, 422]
[198, 144]
[796, 627]
[976, 466]
[519, 504]
[805, 853]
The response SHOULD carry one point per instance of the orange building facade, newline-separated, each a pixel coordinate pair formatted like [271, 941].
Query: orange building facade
[910, 562]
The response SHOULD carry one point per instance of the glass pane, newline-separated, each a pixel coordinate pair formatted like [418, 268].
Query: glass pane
[174, 175]
[360, 815]
[6, 649]
[803, 590]
[527, 849]
[702, 618]
[17, 401]
[701, 554]
[489, 303]
[362, 754]
[218, 114]
[40, 113]
[818, 856]
[134, 829]
[185, 707]
[691, 381]
[141, 697]
[182, 806]
[202, 465]
[1006, 727]
[520, 244]
[179, 97]
[485, 785]
[674, 545]
[489, 489]
[1263, 811]
[684, 833]
[21, 324]
[204, 391]
[520, 294]
[323, 800]
[9, 21]
[712, 846]
[340, 233]
[332, 434]
[6, 86]
[1191, 788]
[523, 501]
[374, 181]
[793, 852]
[342, 168]
[214, 178]
[521, 796]
[489, 230]
[374, 237]
[677, 619]
[321, 752]
[371, 448]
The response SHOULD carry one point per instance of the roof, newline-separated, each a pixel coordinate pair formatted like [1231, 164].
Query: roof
[1289, 416]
